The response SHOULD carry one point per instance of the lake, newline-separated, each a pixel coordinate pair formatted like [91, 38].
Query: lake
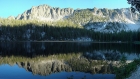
[63, 60]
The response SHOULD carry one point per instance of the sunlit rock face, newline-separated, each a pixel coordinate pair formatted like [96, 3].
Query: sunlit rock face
[103, 20]
[107, 27]
[45, 13]
[48, 13]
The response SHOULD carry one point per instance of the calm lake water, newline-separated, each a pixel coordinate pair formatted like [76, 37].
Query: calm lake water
[62, 60]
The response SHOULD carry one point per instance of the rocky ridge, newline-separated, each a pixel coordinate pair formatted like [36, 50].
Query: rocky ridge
[45, 13]
[48, 13]
[121, 18]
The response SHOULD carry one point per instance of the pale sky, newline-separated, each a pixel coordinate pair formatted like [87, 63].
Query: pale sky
[15, 7]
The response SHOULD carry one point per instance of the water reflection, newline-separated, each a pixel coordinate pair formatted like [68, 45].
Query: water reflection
[103, 55]
[30, 49]
[14, 72]
[43, 59]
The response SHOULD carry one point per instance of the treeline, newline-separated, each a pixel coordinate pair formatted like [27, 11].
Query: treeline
[29, 30]
[122, 36]
[47, 32]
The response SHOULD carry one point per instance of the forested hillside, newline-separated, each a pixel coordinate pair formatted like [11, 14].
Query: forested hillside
[26, 30]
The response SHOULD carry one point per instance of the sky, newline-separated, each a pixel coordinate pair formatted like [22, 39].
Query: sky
[16, 7]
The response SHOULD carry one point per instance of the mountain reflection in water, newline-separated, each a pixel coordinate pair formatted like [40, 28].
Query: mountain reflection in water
[14, 72]
[44, 58]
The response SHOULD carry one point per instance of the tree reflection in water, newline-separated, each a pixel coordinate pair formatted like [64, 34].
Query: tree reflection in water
[44, 58]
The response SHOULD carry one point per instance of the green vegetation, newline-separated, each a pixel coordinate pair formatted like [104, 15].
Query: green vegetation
[126, 69]
[21, 30]
[84, 16]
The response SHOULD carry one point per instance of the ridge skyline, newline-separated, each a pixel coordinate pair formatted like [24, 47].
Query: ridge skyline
[60, 8]
[14, 7]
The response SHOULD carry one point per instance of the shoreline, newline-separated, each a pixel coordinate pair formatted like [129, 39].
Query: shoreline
[69, 41]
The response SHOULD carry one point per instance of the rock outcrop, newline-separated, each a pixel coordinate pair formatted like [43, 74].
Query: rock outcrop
[45, 13]
[107, 26]
[48, 13]
[121, 18]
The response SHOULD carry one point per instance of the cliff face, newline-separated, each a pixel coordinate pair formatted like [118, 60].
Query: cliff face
[118, 15]
[45, 13]
[48, 13]
[120, 18]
